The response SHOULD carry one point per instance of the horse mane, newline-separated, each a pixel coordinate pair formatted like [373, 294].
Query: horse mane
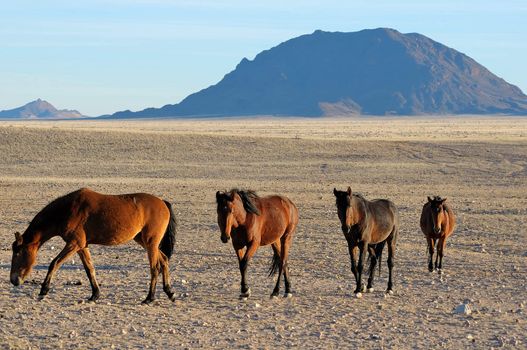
[439, 199]
[365, 224]
[54, 214]
[247, 197]
[359, 195]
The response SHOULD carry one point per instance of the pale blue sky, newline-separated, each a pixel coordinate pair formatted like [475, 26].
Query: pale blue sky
[103, 56]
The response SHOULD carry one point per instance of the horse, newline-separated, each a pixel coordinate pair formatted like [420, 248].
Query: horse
[252, 221]
[85, 217]
[437, 223]
[367, 226]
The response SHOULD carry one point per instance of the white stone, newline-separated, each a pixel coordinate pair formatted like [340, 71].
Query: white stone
[463, 309]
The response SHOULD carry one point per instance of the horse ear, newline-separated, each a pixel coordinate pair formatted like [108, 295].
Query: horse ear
[430, 199]
[349, 191]
[443, 200]
[232, 195]
[19, 239]
[218, 194]
[335, 191]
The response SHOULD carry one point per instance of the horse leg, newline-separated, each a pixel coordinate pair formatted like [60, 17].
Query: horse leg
[277, 253]
[352, 248]
[163, 260]
[362, 254]
[244, 262]
[430, 253]
[153, 259]
[373, 263]
[440, 248]
[437, 254]
[286, 244]
[85, 257]
[391, 256]
[70, 249]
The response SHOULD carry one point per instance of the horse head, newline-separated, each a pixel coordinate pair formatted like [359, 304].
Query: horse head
[24, 257]
[232, 209]
[438, 212]
[344, 209]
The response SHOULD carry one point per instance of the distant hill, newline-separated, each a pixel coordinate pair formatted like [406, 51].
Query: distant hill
[39, 109]
[371, 72]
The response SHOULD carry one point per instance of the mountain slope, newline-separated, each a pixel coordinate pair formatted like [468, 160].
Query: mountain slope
[377, 72]
[39, 109]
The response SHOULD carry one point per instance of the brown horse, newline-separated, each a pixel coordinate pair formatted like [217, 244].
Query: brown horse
[437, 223]
[86, 217]
[367, 225]
[253, 221]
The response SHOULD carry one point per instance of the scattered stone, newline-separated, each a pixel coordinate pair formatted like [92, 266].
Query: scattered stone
[463, 309]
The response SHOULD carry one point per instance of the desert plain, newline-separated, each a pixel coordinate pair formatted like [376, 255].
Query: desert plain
[478, 163]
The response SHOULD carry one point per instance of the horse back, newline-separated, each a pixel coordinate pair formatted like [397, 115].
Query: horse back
[115, 219]
[277, 214]
[383, 216]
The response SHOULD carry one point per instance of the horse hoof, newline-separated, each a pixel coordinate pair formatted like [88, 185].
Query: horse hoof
[274, 296]
[147, 301]
[358, 295]
[246, 294]
[172, 298]
[370, 290]
[439, 271]
[288, 295]
[389, 291]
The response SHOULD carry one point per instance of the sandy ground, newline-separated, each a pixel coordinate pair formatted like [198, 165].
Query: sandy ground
[480, 164]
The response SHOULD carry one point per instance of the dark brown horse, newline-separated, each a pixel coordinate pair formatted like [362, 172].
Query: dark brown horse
[437, 223]
[367, 226]
[86, 217]
[252, 221]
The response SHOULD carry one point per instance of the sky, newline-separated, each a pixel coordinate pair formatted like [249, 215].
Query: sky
[100, 57]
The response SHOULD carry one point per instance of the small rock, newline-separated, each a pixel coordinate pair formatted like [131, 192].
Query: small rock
[463, 309]
[257, 305]
[124, 331]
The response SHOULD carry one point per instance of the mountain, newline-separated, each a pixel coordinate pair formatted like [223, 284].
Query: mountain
[372, 72]
[39, 109]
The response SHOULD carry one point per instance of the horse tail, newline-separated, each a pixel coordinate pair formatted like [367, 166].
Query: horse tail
[275, 264]
[378, 254]
[169, 239]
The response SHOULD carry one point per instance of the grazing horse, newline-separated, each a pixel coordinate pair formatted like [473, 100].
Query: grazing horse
[86, 217]
[437, 223]
[254, 221]
[367, 225]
